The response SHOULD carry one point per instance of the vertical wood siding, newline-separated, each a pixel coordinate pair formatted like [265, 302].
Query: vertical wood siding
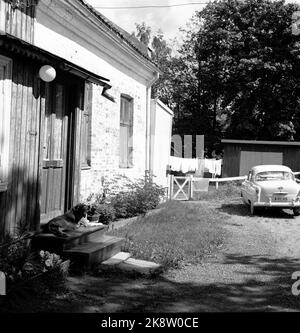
[18, 22]
[232, 156]
[231, 163]
[19, 205]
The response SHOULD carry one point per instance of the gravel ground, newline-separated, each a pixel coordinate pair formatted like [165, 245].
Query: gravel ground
[251, 272]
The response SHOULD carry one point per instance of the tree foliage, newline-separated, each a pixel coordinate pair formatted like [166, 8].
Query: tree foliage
[237, 73]
[160, 54]
[249, 61]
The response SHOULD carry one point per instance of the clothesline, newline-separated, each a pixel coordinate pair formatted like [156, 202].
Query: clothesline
[186, 165]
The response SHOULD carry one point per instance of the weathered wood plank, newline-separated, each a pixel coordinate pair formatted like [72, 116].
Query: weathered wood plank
[17, 107]
[30, 141]
[21, 200]
[22, 183]
[18, 21]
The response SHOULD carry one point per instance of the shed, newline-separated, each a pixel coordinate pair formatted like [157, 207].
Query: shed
[241, 155]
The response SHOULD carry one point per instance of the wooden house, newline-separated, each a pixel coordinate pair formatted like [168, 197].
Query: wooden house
[60, 135]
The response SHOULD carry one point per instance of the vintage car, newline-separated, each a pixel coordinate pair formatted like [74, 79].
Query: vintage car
[271, 186]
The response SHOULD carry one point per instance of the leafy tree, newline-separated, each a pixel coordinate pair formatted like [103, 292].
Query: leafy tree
[161, 55]
[248, 69]
[143, 33]
[237, 73]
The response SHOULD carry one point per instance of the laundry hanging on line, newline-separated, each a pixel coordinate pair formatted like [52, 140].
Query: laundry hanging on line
[185, 165]
[213, 166]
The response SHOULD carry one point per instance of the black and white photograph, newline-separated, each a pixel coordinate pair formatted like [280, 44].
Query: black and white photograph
[149, 160]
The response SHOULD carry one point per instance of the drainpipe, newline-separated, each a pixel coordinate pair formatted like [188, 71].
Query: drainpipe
[148, 122]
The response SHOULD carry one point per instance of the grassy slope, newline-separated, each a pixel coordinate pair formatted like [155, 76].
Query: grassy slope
[182, 232]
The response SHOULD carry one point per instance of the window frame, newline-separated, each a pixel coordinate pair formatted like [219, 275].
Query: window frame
[129, 126]
[5, 114]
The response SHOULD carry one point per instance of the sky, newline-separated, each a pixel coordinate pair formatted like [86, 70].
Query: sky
[168, 19]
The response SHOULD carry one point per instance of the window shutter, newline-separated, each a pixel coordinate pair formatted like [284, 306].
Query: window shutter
[130, 134]
[126, 132]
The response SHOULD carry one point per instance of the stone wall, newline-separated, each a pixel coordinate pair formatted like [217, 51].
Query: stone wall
[105, 135]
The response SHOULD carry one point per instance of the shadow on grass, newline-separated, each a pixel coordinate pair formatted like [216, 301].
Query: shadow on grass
[240, 209]
[117, 293]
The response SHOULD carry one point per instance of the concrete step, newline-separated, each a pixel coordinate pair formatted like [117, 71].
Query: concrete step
[91, 253]
[116, 259]
[52, 243]
[124, 263]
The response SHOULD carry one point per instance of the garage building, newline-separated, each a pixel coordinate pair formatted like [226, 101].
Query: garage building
[241, 155]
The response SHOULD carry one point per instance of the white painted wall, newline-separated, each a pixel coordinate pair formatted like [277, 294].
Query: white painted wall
[161, 132]
[67, 31]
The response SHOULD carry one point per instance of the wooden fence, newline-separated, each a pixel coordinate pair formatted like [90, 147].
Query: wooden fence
[183, 188]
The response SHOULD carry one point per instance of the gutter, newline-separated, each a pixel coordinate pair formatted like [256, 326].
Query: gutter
[148, 123]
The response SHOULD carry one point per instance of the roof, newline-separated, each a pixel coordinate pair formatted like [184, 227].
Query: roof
[31, 51]
[163, 106]
[254, 142]
[132, 41]
[262, 168]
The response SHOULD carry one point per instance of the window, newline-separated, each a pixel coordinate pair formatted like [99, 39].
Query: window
[274, 175]
[126, 132]
[86, 127]
[5, 106]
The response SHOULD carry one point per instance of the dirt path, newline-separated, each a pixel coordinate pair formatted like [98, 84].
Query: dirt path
[251, 272]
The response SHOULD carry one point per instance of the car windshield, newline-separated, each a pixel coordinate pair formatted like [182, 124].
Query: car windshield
[274, 175]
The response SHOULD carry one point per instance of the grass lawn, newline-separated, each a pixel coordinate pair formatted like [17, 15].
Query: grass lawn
[180, 233]
[226, 191]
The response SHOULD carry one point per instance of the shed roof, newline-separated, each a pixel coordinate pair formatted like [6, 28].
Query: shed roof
[254, 142]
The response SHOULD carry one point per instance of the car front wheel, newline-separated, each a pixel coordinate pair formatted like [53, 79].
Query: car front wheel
[296, 211]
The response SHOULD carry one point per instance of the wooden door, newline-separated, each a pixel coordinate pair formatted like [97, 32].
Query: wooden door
[55, 138]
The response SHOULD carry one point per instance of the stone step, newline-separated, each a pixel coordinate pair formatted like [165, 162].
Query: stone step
[52, 243]
[88, 254]
[116, 259]
[140, 266]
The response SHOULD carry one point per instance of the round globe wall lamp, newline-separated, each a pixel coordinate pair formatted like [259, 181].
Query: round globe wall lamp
[47, 73]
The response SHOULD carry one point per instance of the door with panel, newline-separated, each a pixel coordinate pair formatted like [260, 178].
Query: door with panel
[55, 139]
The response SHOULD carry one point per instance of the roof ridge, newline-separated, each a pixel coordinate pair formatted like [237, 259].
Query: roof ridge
[137, 45]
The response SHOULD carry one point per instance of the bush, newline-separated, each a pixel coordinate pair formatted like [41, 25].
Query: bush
[124, 204]
[14, 259]
[106, 213]
[24, 269]
[122, 198]
[141, 197]
[54, 268]
[101, 213]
